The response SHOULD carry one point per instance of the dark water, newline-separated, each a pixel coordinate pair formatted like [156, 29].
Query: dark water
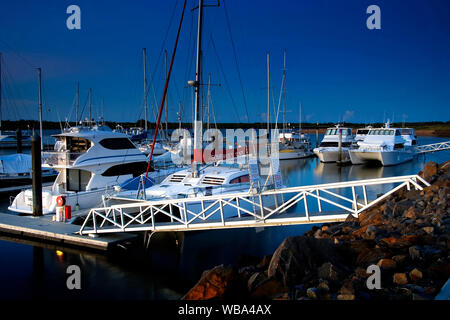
[31, 270]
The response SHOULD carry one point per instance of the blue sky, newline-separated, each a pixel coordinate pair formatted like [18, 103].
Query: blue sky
[336, 67]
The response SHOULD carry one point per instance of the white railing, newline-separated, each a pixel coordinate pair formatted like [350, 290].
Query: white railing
[309, 204]
[60, 158]
[440, 146]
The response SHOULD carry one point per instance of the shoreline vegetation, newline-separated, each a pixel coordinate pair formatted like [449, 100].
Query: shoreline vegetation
[406, 236]
[434, 128]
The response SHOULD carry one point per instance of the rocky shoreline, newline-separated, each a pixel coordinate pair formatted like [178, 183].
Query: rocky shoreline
[406, 237]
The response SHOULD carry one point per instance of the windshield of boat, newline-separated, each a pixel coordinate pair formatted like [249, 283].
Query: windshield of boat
[381, 132]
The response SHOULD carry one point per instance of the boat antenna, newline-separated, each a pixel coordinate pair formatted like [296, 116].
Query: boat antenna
[40, 108]
[144, 58]
[268, 92]
[0, 93]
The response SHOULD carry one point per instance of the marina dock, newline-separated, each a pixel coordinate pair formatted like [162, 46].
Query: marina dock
[44, 229]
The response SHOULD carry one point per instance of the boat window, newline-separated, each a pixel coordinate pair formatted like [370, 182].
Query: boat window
[77, 180]
[78, 145]
[241, 179]
[117, 143]
[398, 146]
[397, 133]
[328, 132]
[134, 168]
[329, 144]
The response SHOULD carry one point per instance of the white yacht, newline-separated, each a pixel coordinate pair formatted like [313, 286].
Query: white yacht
[90, 161]
[388, 146]
[329, 151]
[294, 145]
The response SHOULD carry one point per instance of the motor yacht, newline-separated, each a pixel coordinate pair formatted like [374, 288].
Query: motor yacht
[9, 140]
[388, 146]
[90, 161]
[333, 150]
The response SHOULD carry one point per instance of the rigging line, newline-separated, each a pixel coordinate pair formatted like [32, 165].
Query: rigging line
[84, 106]
[235, 59]
[165, 38]
[165, 92]
[224, 77]
[279, 102]
[16, 52]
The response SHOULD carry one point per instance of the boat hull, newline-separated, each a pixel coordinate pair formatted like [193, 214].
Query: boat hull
[386, 158]
[294, 154]
[332, 155]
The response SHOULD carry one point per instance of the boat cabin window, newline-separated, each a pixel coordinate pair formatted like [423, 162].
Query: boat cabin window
[135, 168]
[241, 179]
[362, 131]
[334, 144]
[77, 180]
[117, 143]
[398, 146]
[381, 132]
[77, 145]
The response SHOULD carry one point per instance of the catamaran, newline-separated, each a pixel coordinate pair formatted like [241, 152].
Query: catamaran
[388, 146]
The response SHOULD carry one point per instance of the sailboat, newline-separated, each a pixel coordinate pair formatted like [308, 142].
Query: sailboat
[292, 144]
[201, 179]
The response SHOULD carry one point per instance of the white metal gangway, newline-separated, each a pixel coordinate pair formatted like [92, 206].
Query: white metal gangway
[331, 202]
[440, 146]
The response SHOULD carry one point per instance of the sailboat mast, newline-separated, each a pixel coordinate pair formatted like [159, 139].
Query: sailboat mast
[0, 93]
[90, 107]
[198, 78]
[144, 57]
[166, 115]
[268, 93]
[103, 111]
[300, 117]
[40, 108]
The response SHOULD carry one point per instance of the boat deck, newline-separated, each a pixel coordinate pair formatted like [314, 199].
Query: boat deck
[44, 228]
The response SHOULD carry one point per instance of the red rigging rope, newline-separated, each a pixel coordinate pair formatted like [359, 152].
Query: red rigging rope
[164, 93]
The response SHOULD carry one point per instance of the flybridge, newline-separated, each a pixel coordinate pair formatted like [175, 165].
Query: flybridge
[440, 146]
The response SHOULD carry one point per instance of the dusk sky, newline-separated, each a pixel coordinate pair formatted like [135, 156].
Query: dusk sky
[336, 66]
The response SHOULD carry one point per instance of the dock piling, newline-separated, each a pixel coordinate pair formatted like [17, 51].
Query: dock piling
[37, 174]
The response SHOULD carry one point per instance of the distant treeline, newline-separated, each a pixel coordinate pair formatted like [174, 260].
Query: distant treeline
[32, 124]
